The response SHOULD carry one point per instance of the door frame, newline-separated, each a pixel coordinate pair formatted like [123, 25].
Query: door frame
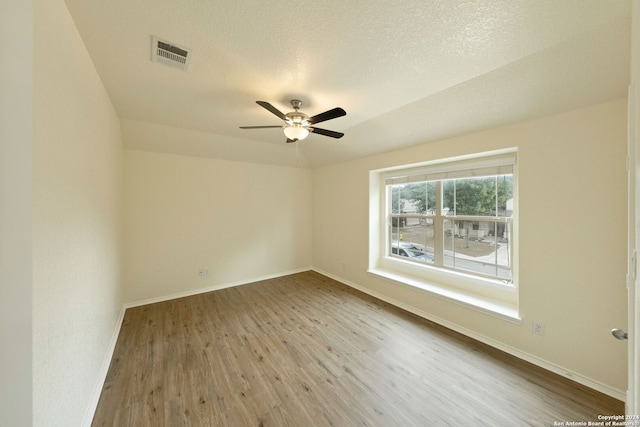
[632, 401]
[632, 405]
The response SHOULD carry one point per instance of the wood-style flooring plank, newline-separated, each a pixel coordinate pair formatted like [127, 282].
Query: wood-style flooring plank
[305, 350]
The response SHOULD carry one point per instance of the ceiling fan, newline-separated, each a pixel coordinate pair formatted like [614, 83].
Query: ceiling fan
[298, 125]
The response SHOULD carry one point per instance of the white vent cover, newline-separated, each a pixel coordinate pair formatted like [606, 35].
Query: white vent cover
[169, 54]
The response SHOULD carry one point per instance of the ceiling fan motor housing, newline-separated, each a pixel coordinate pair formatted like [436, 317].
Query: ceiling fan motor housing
[297, 117]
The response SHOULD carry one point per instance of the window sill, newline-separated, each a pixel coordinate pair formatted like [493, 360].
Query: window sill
[500, 309]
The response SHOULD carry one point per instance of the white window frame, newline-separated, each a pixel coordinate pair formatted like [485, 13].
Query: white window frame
[491, 295]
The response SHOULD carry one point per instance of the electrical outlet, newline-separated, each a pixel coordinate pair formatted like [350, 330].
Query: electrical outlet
[537, 328]
[203, 272]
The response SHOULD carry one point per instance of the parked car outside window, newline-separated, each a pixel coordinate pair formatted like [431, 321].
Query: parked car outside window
[410, 250]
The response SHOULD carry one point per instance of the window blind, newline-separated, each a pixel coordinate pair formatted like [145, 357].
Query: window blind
[503, 165]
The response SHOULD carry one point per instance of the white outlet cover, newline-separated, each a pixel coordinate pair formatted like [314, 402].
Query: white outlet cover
[538, 328]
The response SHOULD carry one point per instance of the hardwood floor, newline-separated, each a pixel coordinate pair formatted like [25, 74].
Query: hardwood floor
[304, 350]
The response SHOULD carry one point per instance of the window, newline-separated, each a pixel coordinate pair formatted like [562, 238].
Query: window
[462, 224]
[451, 225]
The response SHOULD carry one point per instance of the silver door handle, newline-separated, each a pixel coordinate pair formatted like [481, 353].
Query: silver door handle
[619, 334]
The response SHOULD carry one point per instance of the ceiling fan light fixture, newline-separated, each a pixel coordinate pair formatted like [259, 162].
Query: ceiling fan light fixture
[296, 131]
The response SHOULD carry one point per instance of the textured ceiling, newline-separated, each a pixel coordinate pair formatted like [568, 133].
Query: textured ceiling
[406, 72]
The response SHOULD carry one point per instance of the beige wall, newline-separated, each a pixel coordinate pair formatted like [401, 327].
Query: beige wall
[240, 221]
[16, 140]
[572, 183]
[77, 173]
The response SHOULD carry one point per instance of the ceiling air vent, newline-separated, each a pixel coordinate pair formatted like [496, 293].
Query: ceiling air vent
[169, 54]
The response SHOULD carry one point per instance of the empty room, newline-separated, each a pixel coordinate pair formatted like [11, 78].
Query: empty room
[232, 213]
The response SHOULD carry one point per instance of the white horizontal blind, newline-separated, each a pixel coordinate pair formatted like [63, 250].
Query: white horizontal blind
[502, 165]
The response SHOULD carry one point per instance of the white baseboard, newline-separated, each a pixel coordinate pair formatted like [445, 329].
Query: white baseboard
[104, 370]
[212, 288]
[567, 373]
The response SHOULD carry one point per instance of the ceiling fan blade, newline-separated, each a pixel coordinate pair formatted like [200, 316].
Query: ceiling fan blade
[326, 132]
[259, 127]
[327, 115]
[273, 109]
